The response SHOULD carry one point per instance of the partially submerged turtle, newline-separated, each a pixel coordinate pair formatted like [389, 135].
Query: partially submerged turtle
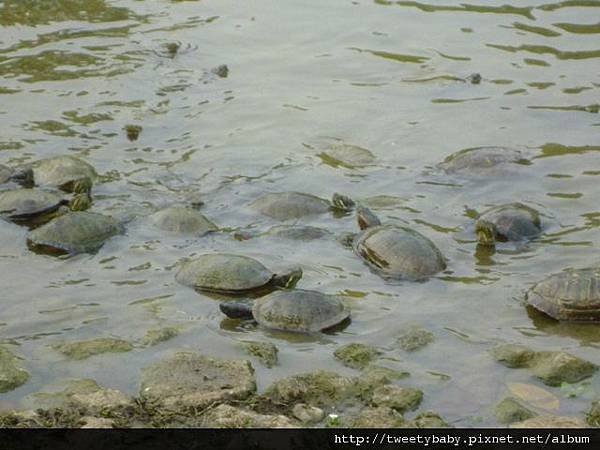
[290, 232]
[178, 219]
[510, 222]
[481, 161]
[67, 173]
[34, 207]
[395, 251]
[24, 177]
[294, 205]
[230, 274]
[291, 310]
[73, 233]
[346, 155]
[571, 295]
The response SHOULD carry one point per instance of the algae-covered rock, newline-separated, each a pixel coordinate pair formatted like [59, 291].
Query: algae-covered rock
[593, 415]
[379, 417]
[265, 352]
[373, 377]
[428, 419]
[513, 355]
[550, 421]
[97, 422]
[190, 380]
[399, 398]
[12, 374]
[318, 388]
[226, 416]
[307, 414]
[85, 349]
[414, 339]
[509, 410]
[355, 355]
[554, 368]
[158, 335]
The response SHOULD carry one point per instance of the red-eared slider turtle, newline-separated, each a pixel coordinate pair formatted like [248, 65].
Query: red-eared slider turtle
[24, 177]
[225, 273]
[394, 251]
[181, 220]
[571, 295]
[510, 222]
[66, 173]
[481, 161]
[294, 205]
[34, 207]
[291, 310]
[73, 233]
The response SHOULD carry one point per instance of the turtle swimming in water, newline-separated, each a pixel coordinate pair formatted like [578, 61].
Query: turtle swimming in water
[510, 222]
[481, 161]
[294, 310]
[571, 295]
[34, 207]
[67, 173]
[181, 220]
[289, 232]
[229, 274]
[393, 251]
[24, 177]
[294, 205]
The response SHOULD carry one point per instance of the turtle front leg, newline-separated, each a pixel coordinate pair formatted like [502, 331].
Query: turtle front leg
[79, 186]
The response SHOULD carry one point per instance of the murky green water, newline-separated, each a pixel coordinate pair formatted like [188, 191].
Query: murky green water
[384, 75]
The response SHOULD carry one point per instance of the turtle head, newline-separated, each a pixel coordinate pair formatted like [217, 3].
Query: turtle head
[342, 202]
[346, 239]
[24, 177]
[288, 279]
[80, 202]
[366, 218]
[486, 233]
[236, 310]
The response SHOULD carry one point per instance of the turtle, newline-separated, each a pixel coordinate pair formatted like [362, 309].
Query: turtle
[24, 177]
[294, 310]
[182, 220]
[509, 222]
[289, 232]
[347, 155]
[481, 161]
[230, 274]
[73, 233]
[393, 251]
[294, 205]
[34, 207]
[570, 295]
[65, 172]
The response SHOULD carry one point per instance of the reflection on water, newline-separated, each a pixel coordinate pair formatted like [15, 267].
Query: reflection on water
[388, 79]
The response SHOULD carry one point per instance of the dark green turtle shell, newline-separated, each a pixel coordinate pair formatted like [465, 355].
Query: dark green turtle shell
[399, 252]
[74, 232]
[290, 205]
[514, 221]
[182, 220]
[481, 160]
[62, 171]
[571, 295]
[29, 205]
[299, 311]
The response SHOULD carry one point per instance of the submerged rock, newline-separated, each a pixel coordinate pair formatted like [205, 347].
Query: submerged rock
[265, 352]
[308, 414]
[190, 380]
[550, 421]
[510, 410]
[85, 349]
[375, 376]
[396, 397]
[158, 335]
[414, 339]
[226, 416]
[428, 419]
[355, 355]
[513, 355]
[12, 374]
[379, 417]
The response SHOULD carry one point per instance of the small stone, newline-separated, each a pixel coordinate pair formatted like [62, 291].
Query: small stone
[373, 377]
[415, 338]
[513, 355]
[97, 422]
[85, 349]
[356, 356]
[158, 335]
[551, 422]
[428, 419]
[379, 417]
[510, 410]
[554, 368]
[193, 381]
[12, 374]
[307, 414]
[226, 416]
[396, 397]
[265, 352]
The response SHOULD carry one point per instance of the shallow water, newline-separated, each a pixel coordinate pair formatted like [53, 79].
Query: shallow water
[384, 75]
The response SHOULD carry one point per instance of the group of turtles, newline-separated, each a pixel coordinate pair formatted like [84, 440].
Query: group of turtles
[60, 225]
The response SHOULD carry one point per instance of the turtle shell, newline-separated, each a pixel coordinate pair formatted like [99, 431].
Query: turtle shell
[24, 205]
[399, 252]
[61, 171]
[182, 220]
[299, 310]
[5, 174]
[480, 160]
[74, 232]
[572, 295]
[514, 221]
[225, 273]
[290, 205]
